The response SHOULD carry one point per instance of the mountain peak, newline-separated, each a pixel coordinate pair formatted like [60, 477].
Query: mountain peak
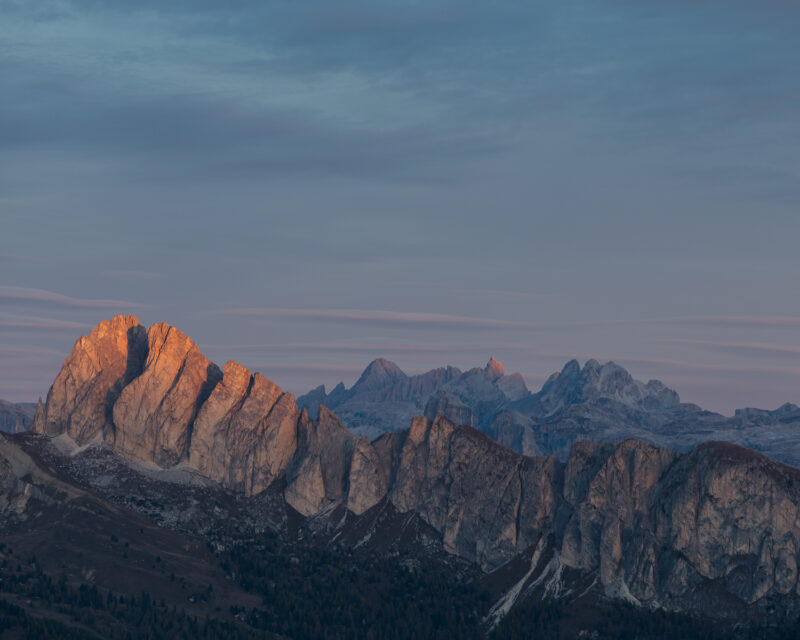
[608, 381]
[494, 368]
[591, 365]
[378, 374]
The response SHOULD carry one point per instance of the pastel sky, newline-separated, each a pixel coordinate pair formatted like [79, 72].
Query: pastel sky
[303, 187]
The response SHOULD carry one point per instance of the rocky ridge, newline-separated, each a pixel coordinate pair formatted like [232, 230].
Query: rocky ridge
[384, 399]
[711, 530]
[596, 402]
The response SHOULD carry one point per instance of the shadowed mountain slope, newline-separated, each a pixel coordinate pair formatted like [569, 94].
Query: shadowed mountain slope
[15, 418]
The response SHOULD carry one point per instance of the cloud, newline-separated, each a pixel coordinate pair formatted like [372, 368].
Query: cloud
[732, 321]
[505, 293]
[376, 348]
[21, 393]
[25, 295]
[136, 274]
[8, 321]
[509, 293]
[28, 352]
[305, 367]
[746, 348]
[395, 319]
[403, 319]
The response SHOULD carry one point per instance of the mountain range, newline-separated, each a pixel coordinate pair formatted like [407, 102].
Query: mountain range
[16, 417]
[139, 420]
[596, 402]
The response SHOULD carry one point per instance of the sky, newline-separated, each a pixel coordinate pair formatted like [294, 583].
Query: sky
[303, 187]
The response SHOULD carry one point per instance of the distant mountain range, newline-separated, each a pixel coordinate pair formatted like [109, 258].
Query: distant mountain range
[15, 418]
[715, 531]
[596, 402]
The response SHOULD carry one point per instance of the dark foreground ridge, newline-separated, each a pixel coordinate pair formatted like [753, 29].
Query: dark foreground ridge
[617, 530]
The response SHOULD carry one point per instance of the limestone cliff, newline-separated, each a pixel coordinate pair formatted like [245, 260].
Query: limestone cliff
[246, 432]
[83, 394]
[154, 414]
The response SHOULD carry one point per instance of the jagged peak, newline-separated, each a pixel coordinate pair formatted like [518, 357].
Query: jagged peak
[591, 365]
[162, 332]
[117, 323]
[379, 373]
[328, 418]
[494, 368]
[233, 369]
[570, 368]
[608, 380]
[513, 386]
[787, 407]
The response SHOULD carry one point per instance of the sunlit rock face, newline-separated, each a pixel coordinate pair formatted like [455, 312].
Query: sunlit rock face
[154, 397]
[494, 369]
[246, 432]
[153, 413]
[82, 397]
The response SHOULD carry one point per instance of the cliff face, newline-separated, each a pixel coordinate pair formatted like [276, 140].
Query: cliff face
[83, 394]
[719, 524]
[246, 432]
[155, 412]
[732, 516]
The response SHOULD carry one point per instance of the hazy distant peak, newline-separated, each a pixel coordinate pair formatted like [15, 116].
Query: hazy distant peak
[595, 381]
[591, 365]
[380, 373]
[513, 386]
[571, 368]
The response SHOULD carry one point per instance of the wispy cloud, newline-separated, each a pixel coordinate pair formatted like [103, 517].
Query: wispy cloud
[732, 321]
[404, 319]
[8, 321]
[502, 293]
[361, 348]
[397, 319]
[746, 348]
[21, 393]
[27, 352]
[505, 293]
[11, 257]
[311, 372]
[322, 367]
[40, 296]
[136, 274]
